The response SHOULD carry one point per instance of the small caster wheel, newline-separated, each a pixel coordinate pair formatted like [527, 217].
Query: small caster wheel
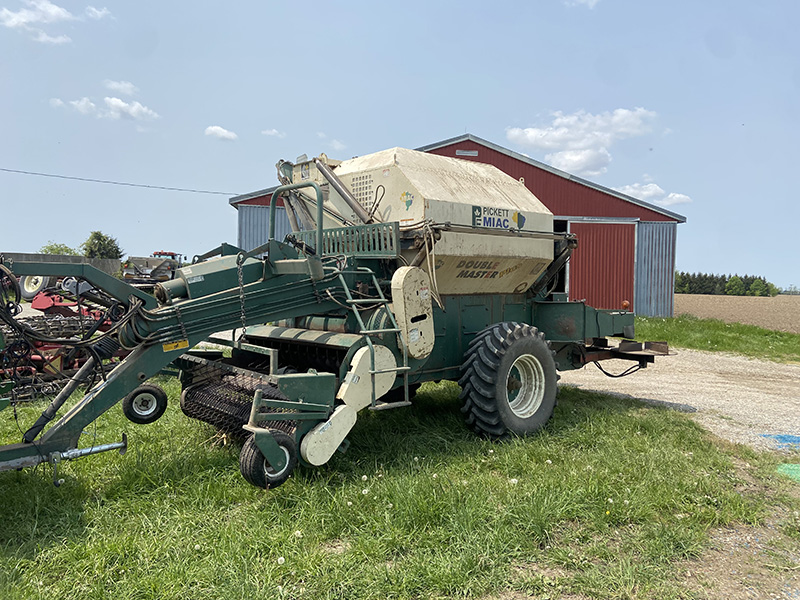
[255, 468]
[145, 404]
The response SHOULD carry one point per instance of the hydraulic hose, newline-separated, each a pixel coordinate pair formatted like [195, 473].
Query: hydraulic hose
[50, 412]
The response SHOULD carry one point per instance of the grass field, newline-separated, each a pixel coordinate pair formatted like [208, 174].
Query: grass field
[779, 313]
[715, 335]
[603, 503]
[607, 502]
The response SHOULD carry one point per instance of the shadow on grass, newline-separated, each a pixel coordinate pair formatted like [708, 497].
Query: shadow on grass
[434, 428]
[35, 513]
[176, 456]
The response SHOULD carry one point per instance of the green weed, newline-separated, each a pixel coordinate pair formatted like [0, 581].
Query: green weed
[717, 336]
[604, 502]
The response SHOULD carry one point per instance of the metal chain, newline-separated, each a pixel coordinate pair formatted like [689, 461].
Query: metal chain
[180, 322]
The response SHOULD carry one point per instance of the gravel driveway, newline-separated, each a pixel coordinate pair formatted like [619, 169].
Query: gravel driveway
[738, 399]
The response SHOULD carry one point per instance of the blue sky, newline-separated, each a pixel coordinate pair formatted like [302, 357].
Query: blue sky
[690, 105]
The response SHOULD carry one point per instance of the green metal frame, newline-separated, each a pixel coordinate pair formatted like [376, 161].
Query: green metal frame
[160, 335]
[111, 285]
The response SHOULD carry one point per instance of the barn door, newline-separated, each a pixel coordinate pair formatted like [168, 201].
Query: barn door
[601, 268]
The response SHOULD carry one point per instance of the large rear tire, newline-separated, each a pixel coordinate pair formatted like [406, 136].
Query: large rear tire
[509, 381]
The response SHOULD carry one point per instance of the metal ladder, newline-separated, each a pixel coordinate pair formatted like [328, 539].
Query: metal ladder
[381, 300]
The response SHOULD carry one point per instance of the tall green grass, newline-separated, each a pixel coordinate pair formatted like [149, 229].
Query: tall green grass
[717, 336]
[604, 502]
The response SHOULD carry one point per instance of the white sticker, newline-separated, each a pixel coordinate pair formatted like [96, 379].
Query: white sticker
[386, 172]
[352, 378]
[195, 279]
[424, 293]
[187, 270]
[413, 335]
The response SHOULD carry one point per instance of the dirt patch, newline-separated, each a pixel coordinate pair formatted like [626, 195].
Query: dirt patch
[739, 399]
[747, 562]
[781, 313]
[336, 547]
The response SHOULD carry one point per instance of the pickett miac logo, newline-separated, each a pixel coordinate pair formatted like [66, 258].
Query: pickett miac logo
[497, 218]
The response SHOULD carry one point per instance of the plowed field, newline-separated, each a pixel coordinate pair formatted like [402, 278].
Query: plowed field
[781, 313]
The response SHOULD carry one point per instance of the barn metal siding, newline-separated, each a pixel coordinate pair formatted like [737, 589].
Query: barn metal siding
[601, 268]
[562, 196]
[655, 269]
[254, 225]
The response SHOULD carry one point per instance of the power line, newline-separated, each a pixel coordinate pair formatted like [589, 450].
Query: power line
[139, 185]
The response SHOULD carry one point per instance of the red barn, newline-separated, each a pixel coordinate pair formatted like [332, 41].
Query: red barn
[626, 247]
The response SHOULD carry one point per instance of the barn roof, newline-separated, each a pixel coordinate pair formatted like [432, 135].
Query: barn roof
[236, 200]
[540, 165]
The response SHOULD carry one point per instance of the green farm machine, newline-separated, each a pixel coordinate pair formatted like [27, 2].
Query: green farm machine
[403, 268]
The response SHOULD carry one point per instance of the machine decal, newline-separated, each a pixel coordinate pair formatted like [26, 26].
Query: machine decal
[483, 269]
[497, 218]
[179, 345]
[407, 199]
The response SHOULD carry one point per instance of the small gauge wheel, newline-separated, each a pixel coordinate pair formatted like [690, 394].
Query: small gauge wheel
[145, 404]
[256, 469]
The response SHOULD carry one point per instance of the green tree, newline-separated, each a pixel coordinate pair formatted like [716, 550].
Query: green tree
[757, 288]
[772, 289]
[52, 247]
[100, 245]
[680, 282]
[735, 286]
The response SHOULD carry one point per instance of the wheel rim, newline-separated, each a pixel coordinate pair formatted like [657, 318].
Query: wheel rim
[525, 386]
[270, 473]
[32, 283]
[144, 404]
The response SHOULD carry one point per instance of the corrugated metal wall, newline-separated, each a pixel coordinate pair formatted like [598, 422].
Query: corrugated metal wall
[254, 225]
[655, 269]
[562, 196]
[601, 267]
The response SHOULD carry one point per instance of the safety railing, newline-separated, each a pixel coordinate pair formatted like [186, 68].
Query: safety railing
[376, 240]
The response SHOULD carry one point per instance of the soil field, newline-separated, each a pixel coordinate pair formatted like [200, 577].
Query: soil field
[781, 313]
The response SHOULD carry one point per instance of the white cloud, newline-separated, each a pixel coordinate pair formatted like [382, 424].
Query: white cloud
[126, 88]
[45, 38]
[580, 142]
[643, 191]
[274, 133]
[116, 108]
[97, 14]
[112, 108]
[586, 3]
[337, 145]
[321, 135]
[38, 13]
[221, 133]
[674, 198]
[652, 192]
[586, 162]
[35, 14]
[83, 106]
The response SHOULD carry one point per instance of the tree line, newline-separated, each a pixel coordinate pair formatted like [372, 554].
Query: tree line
[723, 285]
[97, 245]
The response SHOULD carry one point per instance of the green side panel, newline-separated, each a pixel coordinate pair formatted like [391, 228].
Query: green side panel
[576, 322]
[315, 388]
